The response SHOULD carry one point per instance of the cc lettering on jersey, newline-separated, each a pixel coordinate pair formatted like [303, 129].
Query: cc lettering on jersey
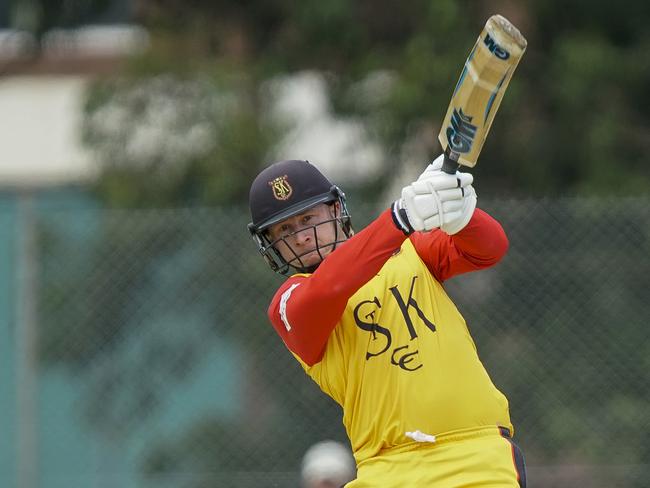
[404, 360]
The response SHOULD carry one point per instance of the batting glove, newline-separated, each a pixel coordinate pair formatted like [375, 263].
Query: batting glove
[456, 221]
[436, 200]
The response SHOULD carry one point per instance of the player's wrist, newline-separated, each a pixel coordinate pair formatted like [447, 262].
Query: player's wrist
[400, 217]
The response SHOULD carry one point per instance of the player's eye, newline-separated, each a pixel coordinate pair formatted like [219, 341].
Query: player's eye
[280, 231]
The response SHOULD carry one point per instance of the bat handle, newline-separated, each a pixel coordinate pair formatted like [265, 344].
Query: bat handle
[449, 165]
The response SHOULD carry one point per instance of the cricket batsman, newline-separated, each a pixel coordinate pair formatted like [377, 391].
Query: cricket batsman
[367, 317]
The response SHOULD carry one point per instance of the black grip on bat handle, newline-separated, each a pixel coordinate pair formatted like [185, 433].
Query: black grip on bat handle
[449, 165]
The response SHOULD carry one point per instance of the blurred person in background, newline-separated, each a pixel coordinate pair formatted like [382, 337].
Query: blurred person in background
[327, 464]
[367, 317]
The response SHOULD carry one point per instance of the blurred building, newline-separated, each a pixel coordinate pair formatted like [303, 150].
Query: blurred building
[43, 75]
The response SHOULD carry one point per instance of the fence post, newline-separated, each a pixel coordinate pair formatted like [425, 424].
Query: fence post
[26, 345]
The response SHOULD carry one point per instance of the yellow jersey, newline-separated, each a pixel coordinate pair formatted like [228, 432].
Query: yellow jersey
[402, 360]
[399, 358]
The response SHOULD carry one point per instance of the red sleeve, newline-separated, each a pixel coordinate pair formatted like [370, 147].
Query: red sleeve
[481, 244]
[306, 308]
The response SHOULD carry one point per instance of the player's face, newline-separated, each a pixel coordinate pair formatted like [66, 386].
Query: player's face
[306, 238]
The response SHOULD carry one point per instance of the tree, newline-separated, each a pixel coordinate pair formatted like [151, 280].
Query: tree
[40, 16]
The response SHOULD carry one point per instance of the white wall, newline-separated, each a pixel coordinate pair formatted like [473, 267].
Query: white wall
[40, 137]
[40, 119]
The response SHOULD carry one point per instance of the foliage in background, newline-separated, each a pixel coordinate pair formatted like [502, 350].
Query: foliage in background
[571, 121]
[169, 139]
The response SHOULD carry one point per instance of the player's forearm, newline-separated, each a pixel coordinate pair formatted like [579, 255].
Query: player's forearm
[357, 260]
[480, 244]
[483, 241]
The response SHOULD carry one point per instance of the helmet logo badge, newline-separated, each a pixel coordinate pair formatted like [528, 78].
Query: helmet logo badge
[281, 188]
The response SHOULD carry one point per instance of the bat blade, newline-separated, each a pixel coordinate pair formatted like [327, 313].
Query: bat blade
[479, 91]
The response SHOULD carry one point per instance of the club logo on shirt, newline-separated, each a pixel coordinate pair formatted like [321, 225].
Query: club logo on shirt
[281, 188]
[402, 357]
[365, 318]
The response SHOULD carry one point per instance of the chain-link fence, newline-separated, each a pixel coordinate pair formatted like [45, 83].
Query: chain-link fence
[143, 356]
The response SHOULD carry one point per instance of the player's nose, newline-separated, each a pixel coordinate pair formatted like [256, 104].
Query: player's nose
[305, 236]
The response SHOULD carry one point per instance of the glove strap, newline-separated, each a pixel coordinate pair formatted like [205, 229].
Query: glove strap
[400, 218]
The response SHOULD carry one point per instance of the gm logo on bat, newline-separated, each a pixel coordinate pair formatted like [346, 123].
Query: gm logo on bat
[494, 48]
[461, 133]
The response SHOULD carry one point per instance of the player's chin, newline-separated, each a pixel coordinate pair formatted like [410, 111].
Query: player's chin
[307, 260]
[311, 258]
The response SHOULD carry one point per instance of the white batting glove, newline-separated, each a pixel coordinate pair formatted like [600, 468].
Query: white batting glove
[454, 223]
[436, 200]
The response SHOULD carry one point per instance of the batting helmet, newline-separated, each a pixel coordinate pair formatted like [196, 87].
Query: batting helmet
[285, 189]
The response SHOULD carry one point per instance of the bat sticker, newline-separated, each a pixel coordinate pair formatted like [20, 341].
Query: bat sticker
[460, 134]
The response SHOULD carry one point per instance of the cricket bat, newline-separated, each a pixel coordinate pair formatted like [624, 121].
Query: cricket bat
[478, 93]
